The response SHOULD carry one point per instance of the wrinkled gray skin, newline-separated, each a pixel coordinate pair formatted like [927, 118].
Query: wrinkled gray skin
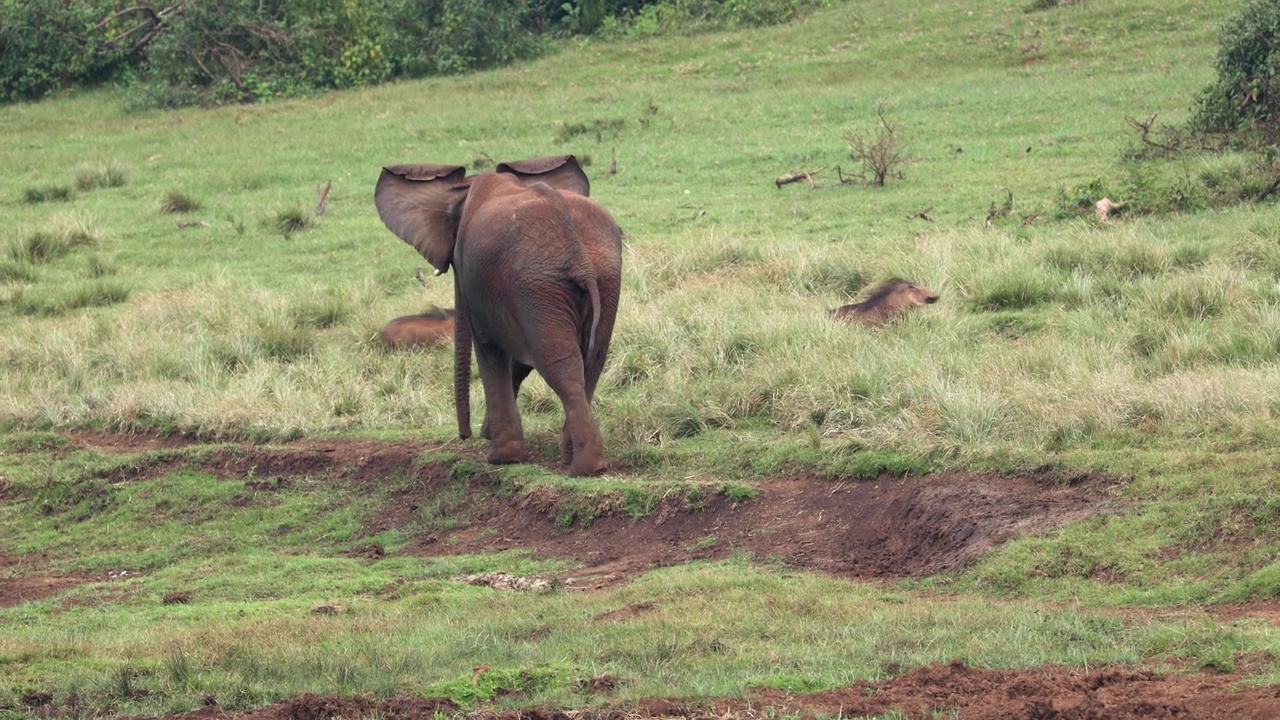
[537, 272]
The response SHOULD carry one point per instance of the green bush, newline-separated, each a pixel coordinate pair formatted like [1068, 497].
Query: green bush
[246, 50]
[46, 45]
[1245, 93]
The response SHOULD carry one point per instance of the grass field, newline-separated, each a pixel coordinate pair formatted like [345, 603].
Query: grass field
[167, 273]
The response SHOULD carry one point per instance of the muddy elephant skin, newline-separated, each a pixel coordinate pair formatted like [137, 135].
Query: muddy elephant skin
[537, 268]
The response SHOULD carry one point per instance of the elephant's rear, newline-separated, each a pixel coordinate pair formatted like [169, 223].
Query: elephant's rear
[601, 247]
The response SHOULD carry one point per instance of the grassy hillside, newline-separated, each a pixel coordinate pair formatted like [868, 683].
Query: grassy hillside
[167, 271]
[1050, 336]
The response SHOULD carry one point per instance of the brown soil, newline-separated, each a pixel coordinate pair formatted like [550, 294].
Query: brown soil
[925, 693]
[886, 528]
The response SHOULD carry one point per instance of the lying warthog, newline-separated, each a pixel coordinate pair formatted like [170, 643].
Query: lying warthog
[433, 327]
[886, 303]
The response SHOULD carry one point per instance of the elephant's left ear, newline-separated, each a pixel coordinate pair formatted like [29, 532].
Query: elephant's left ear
[561, 172]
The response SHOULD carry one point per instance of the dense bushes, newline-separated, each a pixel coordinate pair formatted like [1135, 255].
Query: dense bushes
[212, 51]
[49, 44]
[1245, 94]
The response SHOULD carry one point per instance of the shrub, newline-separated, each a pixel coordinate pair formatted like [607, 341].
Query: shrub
[45, 47]
[1245, 94]
[881, 156]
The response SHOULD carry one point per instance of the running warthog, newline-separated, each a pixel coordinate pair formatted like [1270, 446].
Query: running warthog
[431, 328]
[886, 303]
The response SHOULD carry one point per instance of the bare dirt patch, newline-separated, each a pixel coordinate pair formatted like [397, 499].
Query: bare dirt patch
[925, 693]
[889, 527]
[19, 585]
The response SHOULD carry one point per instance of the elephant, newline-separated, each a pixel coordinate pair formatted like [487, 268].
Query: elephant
[887, 303]
[429, 329]
[537, 270]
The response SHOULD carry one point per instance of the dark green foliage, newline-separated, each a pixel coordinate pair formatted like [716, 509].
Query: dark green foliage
[1245, 94]
[246, 50]
[46, 45]
[215, 51]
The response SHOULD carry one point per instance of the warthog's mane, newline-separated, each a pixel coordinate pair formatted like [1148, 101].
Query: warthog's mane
[884, 290]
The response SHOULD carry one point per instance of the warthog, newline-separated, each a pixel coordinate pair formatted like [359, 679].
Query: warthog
[886, 303]
[431, 328]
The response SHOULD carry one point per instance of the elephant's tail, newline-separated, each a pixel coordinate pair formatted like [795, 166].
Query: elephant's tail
[594, 291]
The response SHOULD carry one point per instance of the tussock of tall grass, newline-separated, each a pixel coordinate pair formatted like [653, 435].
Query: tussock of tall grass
[16, 271]
[48, 193]
[109, 174]
[176, 202]
[290, 220]
[45, 245]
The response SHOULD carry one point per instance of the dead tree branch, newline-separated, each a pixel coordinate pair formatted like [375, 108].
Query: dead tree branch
[806, 176]
[923, 215]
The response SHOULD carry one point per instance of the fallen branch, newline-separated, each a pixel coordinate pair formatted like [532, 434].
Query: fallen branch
[923, 215]
[849, 180]
[192, 223]
[807, 176]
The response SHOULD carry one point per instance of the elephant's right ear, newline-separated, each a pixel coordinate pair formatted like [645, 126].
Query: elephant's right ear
[561, 172]
[421, 204]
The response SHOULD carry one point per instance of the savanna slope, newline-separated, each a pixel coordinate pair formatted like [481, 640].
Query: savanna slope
[218, 490]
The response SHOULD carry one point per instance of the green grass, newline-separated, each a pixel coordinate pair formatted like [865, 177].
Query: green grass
[1058, 340]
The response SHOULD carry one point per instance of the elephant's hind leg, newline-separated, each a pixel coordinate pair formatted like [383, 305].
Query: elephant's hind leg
[502, 420]
[580, 444]
[518, 373]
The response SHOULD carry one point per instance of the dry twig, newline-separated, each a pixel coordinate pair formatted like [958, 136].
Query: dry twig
[323, 191]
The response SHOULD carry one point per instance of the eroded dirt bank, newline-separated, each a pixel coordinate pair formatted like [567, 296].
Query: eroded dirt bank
[888, 527]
